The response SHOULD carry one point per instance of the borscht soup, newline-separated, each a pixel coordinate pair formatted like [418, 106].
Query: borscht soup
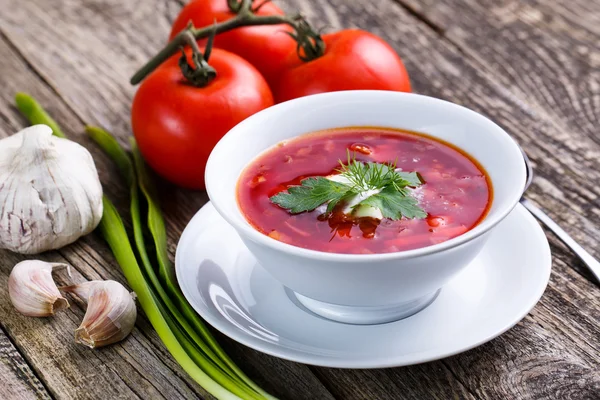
[364, 191]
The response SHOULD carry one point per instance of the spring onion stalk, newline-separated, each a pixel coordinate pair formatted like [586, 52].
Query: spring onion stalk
[156, 225]
[110, 145]
[112, 229]
[226, 373]
[156, 222]
[35, 114]
[237, 388]
[167, 309]
[190, 346]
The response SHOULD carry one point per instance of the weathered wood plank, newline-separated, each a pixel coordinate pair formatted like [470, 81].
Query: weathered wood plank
[546, 52]
[283, 379]
[99, 43]
[17, 380]
[544, 356]
[432, 381]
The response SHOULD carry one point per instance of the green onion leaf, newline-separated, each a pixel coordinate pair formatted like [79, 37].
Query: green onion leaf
[112, 229]
[186, 323]
[156, 225]
[35, 114]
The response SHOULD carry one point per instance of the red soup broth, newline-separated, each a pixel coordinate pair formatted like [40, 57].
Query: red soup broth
[456, 192]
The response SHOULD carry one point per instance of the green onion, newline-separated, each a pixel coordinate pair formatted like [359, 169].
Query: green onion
[156, 225]
[112, 229]
[35, 114]
[185, 323]
[156, 222]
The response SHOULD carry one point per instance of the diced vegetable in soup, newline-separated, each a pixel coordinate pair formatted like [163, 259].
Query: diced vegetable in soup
[364, 191]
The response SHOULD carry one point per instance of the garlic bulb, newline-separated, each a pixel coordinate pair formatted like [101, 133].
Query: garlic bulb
[50, 193]
[32, 290]
[110, 314]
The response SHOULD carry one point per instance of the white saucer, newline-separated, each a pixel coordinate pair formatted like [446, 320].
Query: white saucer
[223, 282]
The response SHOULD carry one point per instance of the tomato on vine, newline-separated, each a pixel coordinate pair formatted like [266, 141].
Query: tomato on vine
[350, 59]
[300, 61]
[181, 111]
[264, 46]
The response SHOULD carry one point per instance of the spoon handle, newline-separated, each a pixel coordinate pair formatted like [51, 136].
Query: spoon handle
[586, 257]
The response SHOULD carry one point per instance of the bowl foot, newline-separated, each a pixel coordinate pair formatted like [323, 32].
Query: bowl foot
[367, 315]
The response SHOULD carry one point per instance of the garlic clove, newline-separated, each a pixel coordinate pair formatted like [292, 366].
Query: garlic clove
[110, 315]
[50, 193]
[32, 290]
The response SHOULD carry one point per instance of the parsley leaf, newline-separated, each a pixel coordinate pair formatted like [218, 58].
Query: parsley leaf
[387, 185]
[313, 193]
[393, 205]
[409, 178]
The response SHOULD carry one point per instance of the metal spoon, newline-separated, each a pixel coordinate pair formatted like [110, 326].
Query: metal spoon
[587, 258]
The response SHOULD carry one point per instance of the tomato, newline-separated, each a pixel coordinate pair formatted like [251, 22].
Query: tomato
[176, 125]
[266, 47]
[353, 59]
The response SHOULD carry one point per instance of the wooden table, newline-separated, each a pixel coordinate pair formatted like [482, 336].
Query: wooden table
[532, 66]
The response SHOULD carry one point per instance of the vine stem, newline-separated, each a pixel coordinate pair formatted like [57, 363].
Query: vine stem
[189, 39]
[201, 73]
[245, 17]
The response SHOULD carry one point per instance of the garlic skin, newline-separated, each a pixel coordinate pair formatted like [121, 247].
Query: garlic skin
[32, 290]
[110, 315]
[50, 193]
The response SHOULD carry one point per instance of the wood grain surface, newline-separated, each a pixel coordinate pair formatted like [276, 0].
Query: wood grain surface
[20, 381]
[531, 66]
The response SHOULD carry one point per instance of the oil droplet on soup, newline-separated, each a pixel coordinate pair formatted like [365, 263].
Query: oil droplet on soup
[456, 193]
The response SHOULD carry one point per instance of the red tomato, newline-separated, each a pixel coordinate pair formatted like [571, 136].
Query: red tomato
[266, 47]
[353, 59]
[176, 125]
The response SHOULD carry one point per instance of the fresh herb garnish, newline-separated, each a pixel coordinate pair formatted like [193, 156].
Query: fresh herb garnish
[312, 193]
[394, 205]
[372, 184]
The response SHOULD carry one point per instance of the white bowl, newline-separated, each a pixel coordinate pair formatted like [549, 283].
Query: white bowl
[366, 288]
